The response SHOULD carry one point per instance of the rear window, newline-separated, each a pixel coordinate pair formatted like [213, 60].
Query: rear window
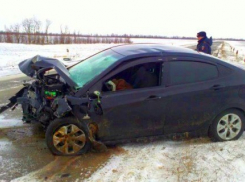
[223, 70]
[189, 72]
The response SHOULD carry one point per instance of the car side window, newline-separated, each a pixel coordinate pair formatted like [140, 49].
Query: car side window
[136, 77]
[181, 72]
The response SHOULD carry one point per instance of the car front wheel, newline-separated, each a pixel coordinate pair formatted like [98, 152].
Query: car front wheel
[67, 136]
[229, 125]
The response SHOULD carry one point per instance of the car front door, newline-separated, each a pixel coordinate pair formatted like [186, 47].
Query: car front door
[131, 113]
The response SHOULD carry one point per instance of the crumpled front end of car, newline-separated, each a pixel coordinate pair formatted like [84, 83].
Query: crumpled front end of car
[43, 98]
[49, 98]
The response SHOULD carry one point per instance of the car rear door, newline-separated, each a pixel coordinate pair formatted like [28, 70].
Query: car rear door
[194, 92]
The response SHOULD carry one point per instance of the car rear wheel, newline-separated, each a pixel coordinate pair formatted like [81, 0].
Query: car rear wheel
[67, 136]
[229, 125]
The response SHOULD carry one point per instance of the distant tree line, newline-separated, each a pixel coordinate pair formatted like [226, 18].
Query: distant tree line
[33, 31]
[61, 38]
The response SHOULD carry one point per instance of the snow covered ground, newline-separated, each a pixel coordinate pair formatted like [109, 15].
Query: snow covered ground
[12, 54]
[8, 124]
[196, 160]
[227, 52]
[238, 46]
[175, 42]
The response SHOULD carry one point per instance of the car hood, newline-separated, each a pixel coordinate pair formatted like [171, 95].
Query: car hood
[31, 66]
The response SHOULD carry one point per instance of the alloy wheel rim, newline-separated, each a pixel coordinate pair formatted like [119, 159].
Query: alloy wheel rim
[229, 126]
[69, 139]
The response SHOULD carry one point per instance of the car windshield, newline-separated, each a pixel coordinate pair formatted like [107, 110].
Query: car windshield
[88, 69]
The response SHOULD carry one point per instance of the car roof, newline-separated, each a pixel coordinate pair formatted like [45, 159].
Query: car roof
[133, 49]
[156, 49]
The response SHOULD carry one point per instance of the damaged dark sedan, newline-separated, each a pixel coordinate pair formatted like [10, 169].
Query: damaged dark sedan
[130, 92]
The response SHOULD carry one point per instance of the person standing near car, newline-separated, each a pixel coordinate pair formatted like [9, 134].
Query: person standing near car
[204, 44]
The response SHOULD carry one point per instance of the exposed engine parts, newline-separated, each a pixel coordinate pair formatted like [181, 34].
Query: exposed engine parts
[49, 99]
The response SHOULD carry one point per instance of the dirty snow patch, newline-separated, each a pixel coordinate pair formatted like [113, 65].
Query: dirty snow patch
[9, 123]
[193, 160]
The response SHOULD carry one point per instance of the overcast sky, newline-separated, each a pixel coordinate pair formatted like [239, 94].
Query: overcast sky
[219, 18]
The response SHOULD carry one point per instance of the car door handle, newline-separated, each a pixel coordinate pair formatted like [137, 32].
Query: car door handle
[216, 87]
[153, 97]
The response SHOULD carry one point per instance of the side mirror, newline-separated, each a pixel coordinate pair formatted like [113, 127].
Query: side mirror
[95, 94]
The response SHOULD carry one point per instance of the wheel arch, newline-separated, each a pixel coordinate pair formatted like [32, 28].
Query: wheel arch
[241, 109]
[61, 122]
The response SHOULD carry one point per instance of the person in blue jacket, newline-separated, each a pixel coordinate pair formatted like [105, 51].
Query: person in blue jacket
[204, 44]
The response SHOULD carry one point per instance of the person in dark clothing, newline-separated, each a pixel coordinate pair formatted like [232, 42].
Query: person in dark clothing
[204, 44]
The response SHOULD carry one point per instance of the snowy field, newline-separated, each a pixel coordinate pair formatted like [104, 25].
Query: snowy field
[12, 54]
[175, 42]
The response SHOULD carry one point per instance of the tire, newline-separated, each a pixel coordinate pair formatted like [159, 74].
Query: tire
[227, 126]
[68, 137]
